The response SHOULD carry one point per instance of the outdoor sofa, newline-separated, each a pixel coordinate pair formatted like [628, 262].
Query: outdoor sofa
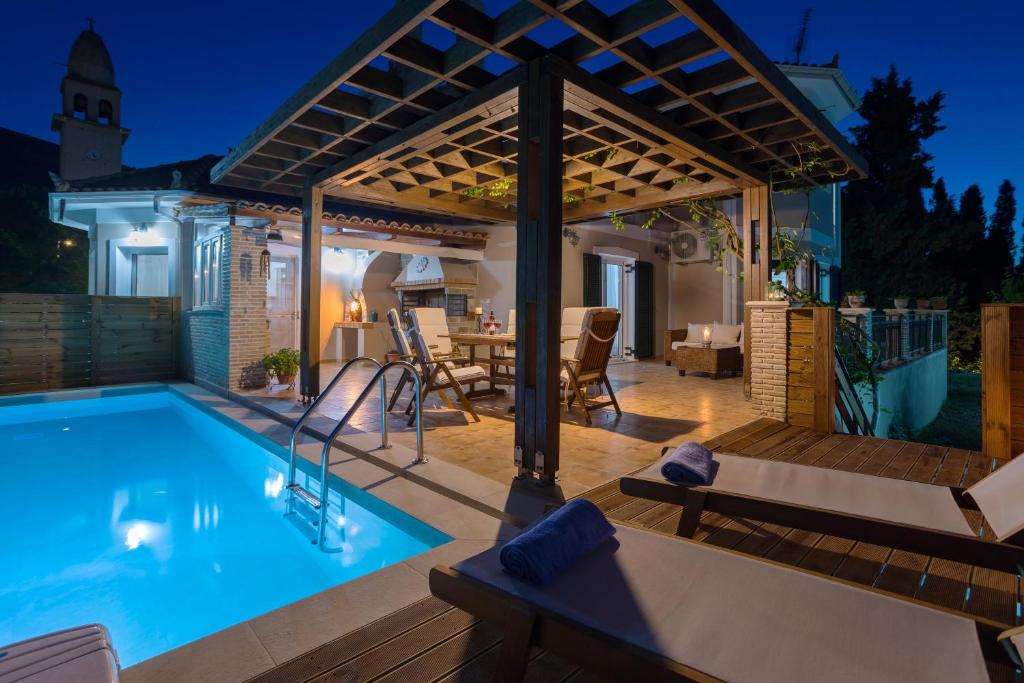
[913, 516]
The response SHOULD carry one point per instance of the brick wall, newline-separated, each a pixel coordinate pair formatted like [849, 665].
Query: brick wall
[225, 344]
[248, 326]
[768, 375]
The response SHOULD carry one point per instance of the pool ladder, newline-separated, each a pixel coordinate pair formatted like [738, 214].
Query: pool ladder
[320, 502]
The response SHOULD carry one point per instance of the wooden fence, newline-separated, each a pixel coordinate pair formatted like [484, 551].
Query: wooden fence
[1002, 380]
[56, 341]
[811, 373]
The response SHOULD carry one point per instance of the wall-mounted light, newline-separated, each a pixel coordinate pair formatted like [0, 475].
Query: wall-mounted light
[274, 236]
[265, 264]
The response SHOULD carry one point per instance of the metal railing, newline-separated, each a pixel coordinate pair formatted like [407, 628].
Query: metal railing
[899, 336]
[321, 502]
[329, 442]
[327, 390]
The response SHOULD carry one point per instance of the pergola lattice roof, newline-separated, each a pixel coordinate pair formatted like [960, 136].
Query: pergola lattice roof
[664, 99]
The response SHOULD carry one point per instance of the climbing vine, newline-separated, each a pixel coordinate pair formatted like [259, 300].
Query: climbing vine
[723, 239]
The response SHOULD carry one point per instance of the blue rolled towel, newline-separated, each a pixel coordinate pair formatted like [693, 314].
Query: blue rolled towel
[689, 464]
[556, 543]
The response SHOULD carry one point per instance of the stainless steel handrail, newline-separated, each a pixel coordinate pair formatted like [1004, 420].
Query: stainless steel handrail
[323, 395]
[325, 454]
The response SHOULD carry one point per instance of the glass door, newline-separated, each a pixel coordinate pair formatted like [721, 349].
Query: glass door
[281, 303]
[613, 281]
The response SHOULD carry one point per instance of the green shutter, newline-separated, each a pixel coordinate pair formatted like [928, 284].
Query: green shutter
[643, 307]
[591, 280]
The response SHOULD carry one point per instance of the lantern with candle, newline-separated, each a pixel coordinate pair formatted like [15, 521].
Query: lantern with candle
[355, 310]
[706, 332]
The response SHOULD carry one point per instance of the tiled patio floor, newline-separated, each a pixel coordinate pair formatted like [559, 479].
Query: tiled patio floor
[659, 407]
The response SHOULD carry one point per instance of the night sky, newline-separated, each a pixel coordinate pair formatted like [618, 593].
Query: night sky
[198, 76]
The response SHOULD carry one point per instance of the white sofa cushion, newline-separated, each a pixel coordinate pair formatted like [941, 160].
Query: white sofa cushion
[726, 334]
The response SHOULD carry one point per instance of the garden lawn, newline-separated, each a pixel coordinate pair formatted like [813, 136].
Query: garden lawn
[959, 422]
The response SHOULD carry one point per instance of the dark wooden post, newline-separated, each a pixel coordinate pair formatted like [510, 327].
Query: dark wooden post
[539, 271]
[309, 327]
[756, 236]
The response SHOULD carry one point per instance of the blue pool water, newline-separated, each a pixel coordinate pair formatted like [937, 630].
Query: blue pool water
[146, 514]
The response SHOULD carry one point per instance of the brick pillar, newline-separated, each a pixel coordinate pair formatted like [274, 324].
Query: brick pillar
[246, 299]
[768, 357]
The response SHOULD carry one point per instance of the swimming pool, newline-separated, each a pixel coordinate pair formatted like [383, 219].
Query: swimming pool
[145, 513]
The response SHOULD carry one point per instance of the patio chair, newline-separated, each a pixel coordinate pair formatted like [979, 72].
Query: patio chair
[82, 654]
[589, 361]
[912, 516]
[437, 375]
[647, 607]
[404, 352]
[432, 324]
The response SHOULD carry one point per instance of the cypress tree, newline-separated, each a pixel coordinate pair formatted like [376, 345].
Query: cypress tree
[1001, 247]
[885, 219]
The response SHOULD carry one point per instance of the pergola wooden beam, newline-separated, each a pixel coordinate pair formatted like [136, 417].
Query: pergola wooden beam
[394, 24]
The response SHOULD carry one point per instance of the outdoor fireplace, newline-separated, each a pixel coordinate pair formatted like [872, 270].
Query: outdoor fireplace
[434, 282]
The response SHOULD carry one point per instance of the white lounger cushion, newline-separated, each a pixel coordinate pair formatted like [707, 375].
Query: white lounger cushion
[999, 497]
[893, 500]
[81, 654]
[742, 619]
[463, 374]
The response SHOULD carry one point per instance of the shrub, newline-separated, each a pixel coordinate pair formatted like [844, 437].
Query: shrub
[283, 362]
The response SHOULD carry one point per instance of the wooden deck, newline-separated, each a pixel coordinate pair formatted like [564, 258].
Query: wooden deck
[431, 641]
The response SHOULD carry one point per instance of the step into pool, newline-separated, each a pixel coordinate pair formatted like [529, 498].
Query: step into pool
[146, 513]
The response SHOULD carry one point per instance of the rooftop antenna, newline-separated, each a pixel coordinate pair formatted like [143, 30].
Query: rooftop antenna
[800, 43]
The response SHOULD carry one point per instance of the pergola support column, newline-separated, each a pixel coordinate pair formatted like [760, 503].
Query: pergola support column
[309, 326]
[539, 272]
[757, 270]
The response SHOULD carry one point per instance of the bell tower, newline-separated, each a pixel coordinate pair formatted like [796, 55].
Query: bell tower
[90, 129]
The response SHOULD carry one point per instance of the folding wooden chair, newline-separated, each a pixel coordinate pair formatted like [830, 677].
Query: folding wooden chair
[439, 374]
[589, 364]
[405, 353]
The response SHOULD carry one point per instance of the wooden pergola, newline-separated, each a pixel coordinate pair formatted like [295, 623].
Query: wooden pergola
[551, 111]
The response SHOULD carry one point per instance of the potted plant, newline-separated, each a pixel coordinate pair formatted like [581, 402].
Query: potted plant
[856, 298]
[923, 302]
[283, 363]
[901, 302]
[938, 303]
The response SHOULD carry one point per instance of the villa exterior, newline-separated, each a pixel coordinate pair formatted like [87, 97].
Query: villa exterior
[485, 217]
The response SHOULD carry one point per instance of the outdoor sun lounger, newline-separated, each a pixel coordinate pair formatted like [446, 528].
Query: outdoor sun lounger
[647, 607]
[83, 654]
[913, 516]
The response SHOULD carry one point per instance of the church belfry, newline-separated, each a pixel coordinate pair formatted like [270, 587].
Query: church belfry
[90, 129]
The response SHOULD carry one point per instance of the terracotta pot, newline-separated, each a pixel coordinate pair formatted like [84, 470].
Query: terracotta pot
[286, 379]
[855, 301]
[939, 303]
[923, 303]
[901, 304]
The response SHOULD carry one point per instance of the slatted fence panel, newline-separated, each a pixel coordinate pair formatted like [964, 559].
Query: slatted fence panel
[810, 363]
[56, 341]
[44, 341]
[135, 339]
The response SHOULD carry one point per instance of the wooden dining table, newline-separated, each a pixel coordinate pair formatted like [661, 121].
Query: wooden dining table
[494, 360]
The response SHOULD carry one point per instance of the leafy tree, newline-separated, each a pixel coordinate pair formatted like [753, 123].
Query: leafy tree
[37, 255]
[884, 231]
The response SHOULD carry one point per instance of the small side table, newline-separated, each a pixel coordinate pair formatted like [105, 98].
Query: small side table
[713, 361]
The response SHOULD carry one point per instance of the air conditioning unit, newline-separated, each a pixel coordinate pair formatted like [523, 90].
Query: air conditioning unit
[690, 246]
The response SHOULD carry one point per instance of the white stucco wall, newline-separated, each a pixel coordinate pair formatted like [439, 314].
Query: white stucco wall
[913, 393]
[497, 272]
